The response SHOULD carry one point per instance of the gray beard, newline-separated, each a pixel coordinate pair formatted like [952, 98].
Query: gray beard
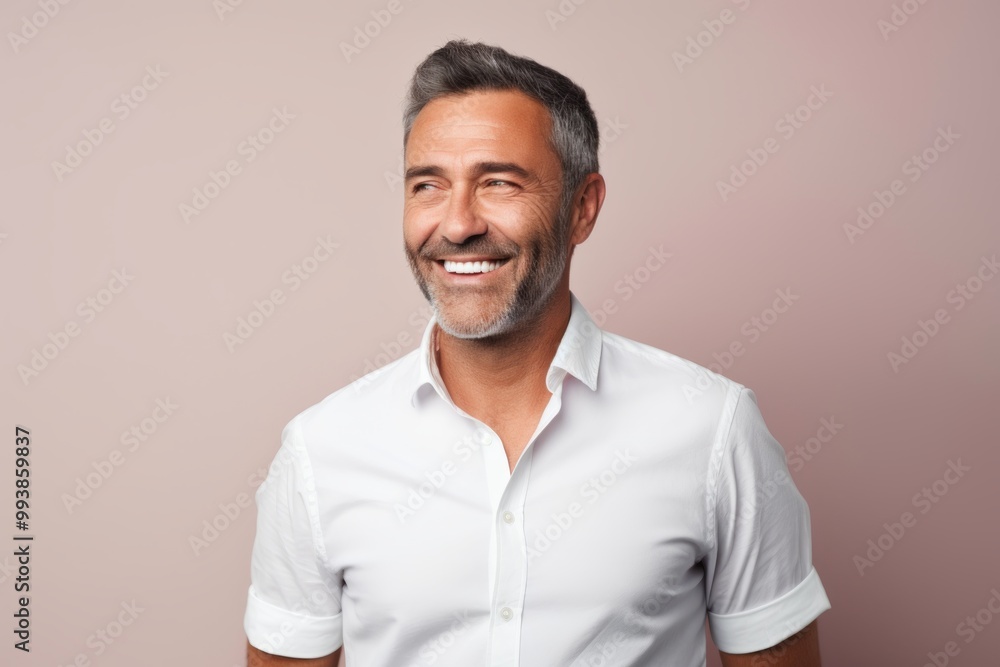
[530, 298]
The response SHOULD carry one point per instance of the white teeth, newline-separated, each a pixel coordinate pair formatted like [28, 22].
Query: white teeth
[471, 267]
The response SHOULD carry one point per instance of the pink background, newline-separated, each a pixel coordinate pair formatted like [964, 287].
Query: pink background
[669, 136]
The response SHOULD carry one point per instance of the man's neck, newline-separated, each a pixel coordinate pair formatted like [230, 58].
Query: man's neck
[503, 375]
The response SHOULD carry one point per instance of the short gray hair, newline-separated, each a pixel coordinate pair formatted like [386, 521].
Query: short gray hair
[460, 67]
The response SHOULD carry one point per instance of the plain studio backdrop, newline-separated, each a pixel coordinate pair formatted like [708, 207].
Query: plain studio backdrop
[202, 236]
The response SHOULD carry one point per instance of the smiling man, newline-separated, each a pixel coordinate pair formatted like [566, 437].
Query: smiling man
[524, 489]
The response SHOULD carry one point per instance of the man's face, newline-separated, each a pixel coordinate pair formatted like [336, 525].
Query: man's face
[483, 186]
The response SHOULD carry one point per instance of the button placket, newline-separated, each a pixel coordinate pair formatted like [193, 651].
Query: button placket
[509, 568]
[497, 477]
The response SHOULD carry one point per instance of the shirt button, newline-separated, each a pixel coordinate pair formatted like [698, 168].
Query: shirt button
[506, 613]
[508, 517]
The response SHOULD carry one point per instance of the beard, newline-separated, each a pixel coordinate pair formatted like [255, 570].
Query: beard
[483, 312]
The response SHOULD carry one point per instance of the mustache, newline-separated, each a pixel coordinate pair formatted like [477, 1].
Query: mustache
[472, 248]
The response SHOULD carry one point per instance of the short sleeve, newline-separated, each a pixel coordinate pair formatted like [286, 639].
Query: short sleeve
[760, 582]
[293, 604]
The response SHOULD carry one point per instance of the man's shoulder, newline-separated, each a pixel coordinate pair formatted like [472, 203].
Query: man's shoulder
[363, 398]
[668, 372]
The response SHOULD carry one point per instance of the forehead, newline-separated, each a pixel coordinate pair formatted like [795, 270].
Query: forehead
[507, 121]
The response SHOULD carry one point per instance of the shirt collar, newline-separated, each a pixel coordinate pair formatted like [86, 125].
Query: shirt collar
[579, 354]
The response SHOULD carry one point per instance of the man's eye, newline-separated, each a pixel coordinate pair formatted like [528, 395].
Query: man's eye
[420, 186]
[499, 181]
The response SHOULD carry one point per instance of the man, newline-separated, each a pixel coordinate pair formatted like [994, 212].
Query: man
[524, 489]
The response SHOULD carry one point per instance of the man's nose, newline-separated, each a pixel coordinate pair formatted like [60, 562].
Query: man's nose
[461, 217]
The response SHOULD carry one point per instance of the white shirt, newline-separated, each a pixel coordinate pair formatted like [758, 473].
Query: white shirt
[650, 494]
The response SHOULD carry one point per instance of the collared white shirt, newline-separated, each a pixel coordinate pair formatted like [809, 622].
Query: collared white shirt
[650, 494]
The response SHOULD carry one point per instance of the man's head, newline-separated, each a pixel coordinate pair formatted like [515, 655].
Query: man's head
[501, 164]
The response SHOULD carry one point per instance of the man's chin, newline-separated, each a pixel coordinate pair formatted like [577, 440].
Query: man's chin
[468, 325]
[462, 328]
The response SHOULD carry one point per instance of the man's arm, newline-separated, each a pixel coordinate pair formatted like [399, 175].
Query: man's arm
[294, 596]
[257, 658]
[799, 650]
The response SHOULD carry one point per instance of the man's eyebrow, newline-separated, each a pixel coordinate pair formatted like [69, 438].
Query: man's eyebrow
[478, 170]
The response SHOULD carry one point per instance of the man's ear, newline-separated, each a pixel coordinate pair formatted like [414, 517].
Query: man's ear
[586, 206]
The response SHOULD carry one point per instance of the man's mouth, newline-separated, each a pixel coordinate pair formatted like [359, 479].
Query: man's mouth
[479, 266]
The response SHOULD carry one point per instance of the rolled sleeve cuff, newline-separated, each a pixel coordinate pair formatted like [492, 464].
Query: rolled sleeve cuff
[772, 623]
[281, 632]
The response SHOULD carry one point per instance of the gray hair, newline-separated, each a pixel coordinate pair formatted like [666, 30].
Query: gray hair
[460, 67]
